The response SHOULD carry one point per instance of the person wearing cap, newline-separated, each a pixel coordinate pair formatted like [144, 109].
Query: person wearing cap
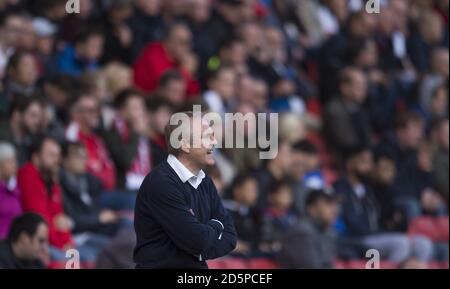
[310, 244]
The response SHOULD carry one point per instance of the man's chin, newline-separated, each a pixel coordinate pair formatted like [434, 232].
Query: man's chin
[210, 161]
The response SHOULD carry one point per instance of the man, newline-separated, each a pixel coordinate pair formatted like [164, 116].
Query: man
[25, 121]
[27, 243]
[84, 119]
[41, 192]
[180, 221]
[174, 52]
[361, 213]
[311, 243]
[133, 153]
[346, 122]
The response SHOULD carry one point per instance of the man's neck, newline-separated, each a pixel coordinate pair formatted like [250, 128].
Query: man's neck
[353, 179]
[189, 164]
[275, 170]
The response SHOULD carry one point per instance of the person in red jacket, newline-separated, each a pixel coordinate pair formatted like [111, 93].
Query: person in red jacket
[173, 53]
[85, 118]
[41, 193]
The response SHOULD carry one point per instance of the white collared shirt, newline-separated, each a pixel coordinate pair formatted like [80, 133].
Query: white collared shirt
[184, 173]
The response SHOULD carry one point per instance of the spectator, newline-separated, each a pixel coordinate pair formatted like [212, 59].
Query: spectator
[84, 120]
[346, 122]
[305, 173]
[21, 75]
[172, 88]
[10, 206]
[312, 242]
[174, 52]
[278, 218]
[147, 24]
[274, 170]
[24, 123]
[41, 192]
[134, 155]
[222, 86]
[430, 34]
[361, 215]
[244, 194]
[81, 193]
[441, 156]
[27, 243]
[159, 113]
[84, 55]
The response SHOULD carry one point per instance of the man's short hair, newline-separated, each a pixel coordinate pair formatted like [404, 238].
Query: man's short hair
[70, 146]
[27, 223]
[170, 128]
[406, 118]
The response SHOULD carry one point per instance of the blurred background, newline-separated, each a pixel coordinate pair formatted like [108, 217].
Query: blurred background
[363, 134]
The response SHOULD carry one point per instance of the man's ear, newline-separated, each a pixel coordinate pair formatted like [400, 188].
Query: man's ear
[185, 147]
[24, 238]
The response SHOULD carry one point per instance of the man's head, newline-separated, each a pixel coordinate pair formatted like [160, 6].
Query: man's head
[409, 130]
[440, 133]
[149, 7]
[359, 162]
[131, 106]
[223, 81]
[75, 158]
[305, 159]
[28, 112]
[22, 68]
[282, 163]
[89, 44]
[159, 113]
[385, 169]
[11, 27]
[28, 237]
[172, 87]
[440, 62]
[192, 139]
[8, 161]
[361, 24]
[323, 207]
[178, 41]
[431, 27]
[199, 11]
[46, 155]
[245, 190]
[353, 85]
[231, 10]
[280, 195]
[85, 112]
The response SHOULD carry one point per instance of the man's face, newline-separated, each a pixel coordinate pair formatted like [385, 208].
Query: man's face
[386, 170]
[225, 84]
[92, 49]
[248, 193]
[412, 134]
[444, 136]
[179, 42]
[200, 10]
[50, 157]
[33, 117]
[149, 7]
[134, 109]
[27, 71]
[76, 161]
[174, 92]
[36, 246]
[200, 148]
[283, 198]
[356, 89]
[363, 163]
[326, 211]
[13, 28]
[87, 112]
[160, 118]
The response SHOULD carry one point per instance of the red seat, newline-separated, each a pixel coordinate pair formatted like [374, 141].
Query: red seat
[430, 227]
[262, 264]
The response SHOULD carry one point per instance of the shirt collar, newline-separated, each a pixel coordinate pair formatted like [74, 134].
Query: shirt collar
[184, 173]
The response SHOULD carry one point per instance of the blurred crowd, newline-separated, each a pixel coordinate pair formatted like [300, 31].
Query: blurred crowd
[363, 157]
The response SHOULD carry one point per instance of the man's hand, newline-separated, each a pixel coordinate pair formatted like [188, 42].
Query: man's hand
[108, 217]
[63, 223]
[242, 247]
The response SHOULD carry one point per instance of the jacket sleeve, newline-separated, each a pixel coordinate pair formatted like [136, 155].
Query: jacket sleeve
[227, 242]
[169, 208]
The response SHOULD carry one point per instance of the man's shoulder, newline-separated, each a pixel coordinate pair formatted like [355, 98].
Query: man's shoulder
[161, 176]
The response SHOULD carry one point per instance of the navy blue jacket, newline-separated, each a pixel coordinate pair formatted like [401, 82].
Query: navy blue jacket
[173, 222]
